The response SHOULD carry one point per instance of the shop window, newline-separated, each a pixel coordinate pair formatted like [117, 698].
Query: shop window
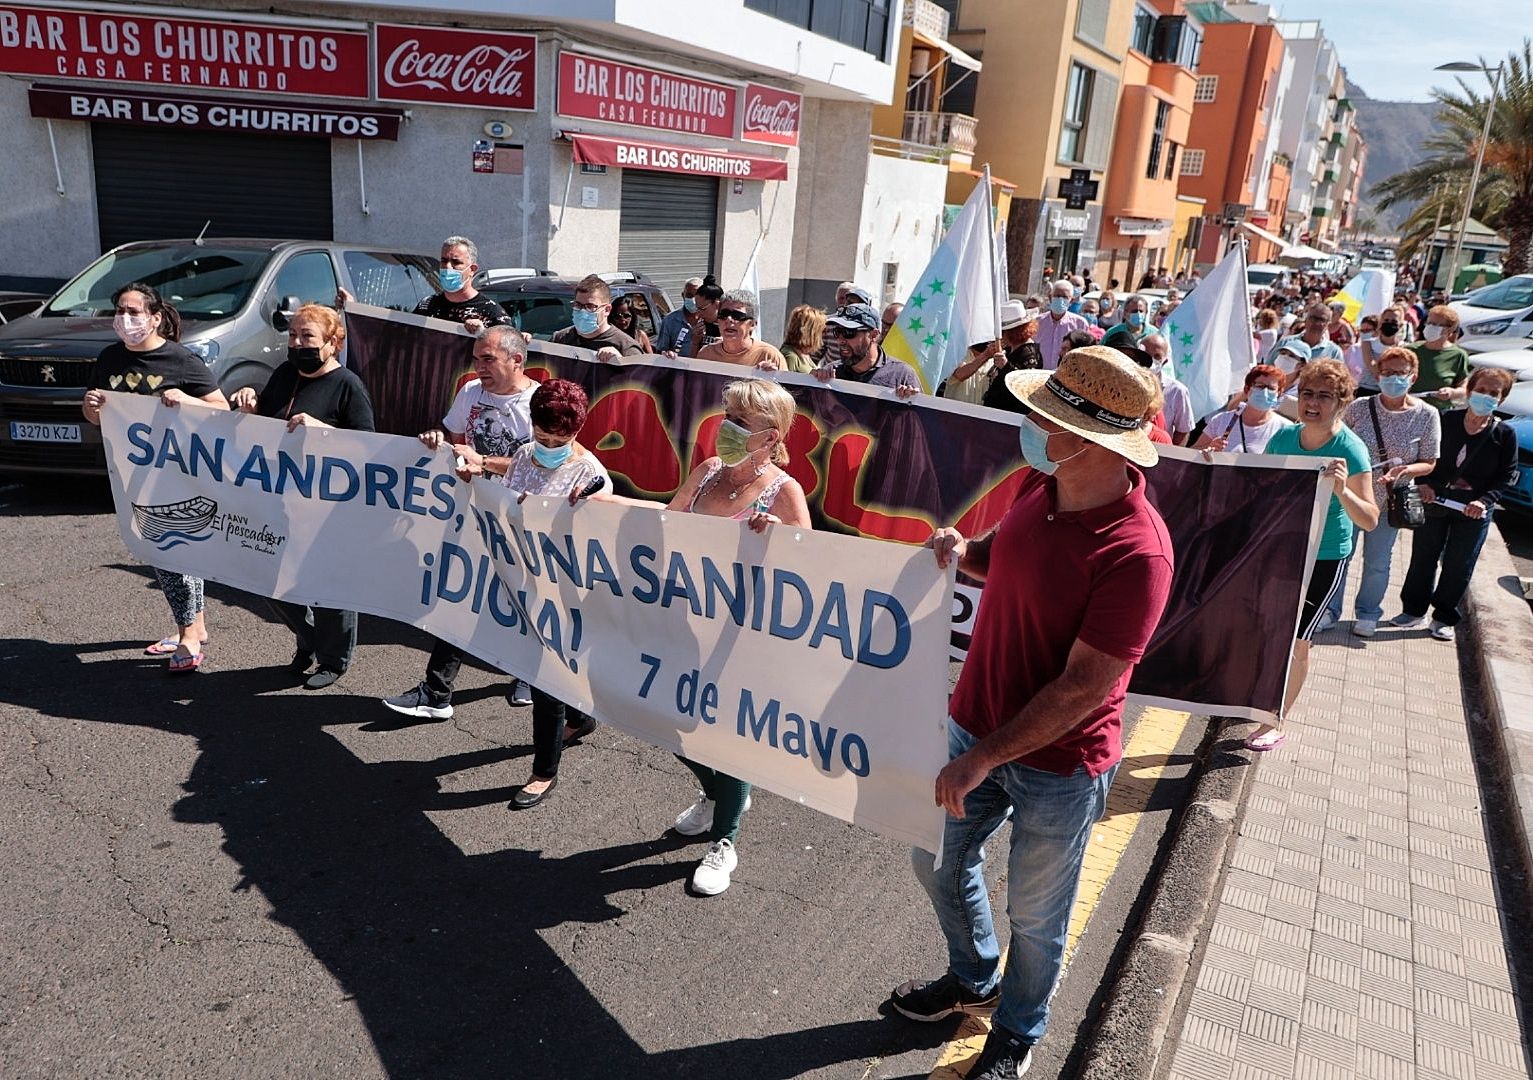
[309, 276]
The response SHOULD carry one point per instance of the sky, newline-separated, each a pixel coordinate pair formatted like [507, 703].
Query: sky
[1390, 49]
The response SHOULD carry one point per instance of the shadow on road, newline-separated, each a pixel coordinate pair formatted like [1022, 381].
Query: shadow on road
[440, 950]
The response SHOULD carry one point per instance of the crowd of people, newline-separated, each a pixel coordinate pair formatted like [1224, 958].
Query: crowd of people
[1077, 573]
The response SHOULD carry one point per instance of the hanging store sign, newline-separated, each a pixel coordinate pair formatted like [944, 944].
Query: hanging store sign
[657, 157]
[157, 109]
[771, 115]
[595, 88]
[1141, 226]
[438, 66]
[212, 54]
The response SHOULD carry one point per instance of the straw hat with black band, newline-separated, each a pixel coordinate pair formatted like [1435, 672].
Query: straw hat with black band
[1097, 393]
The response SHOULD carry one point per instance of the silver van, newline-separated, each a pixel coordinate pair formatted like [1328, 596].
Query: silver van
[235, 298]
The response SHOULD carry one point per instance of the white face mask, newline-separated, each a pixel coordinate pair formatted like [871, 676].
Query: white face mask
[1434, 333]
[132, 329]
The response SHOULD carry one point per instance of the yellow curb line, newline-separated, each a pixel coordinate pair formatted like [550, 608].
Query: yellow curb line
[1144, 763]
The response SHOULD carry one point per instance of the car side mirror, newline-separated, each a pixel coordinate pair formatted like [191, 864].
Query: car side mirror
[286, 309]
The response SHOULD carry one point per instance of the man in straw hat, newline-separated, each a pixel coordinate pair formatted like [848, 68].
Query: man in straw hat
[1076, 577]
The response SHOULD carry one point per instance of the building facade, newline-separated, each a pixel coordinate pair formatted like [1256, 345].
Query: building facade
[578, 135]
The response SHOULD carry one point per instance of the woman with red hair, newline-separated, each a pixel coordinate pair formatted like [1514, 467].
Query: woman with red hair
[1251, 419]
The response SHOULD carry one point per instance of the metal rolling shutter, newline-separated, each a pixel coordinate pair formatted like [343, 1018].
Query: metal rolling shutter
[667, 227]
[154, 184]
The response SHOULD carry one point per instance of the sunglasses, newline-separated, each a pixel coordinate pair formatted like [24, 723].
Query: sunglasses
[734, 316]
[842, 332]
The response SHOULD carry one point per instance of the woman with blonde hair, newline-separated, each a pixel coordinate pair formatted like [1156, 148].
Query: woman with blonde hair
[803, 343]
[312, 389]
[744, 480]
[1325, 389]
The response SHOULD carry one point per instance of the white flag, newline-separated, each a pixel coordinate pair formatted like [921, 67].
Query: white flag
[1210, 335]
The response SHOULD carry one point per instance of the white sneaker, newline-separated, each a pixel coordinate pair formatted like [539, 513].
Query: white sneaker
[1407, 621]
[1441, 631]
[1326, 622]
[1364, 627]
[712, 874]
[697, 818]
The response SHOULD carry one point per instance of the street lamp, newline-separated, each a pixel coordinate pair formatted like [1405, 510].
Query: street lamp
[1479, 157]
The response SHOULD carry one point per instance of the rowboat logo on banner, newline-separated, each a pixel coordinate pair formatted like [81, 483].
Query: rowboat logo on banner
[194, 520]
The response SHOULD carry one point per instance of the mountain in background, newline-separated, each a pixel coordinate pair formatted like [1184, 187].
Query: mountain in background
[1397, 132]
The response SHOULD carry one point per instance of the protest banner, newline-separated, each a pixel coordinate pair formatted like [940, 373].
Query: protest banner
[811, 664]
[1243, 528]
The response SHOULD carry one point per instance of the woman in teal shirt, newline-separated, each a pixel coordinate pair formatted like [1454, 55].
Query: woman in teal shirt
[1325, 389]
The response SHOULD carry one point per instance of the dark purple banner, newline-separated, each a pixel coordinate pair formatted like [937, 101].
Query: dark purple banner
[879, 467]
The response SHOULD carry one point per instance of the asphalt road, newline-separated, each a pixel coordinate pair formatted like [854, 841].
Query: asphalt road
[226, 875]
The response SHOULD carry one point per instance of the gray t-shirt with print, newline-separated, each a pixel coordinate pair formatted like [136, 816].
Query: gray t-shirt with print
[1411, 434]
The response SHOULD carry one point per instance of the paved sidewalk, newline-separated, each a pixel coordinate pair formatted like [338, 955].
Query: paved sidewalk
[1356, 932]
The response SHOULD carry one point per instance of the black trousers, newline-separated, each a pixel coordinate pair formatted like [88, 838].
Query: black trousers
[329, 633]
[442, 668]
[1454, 541]
[549, 716]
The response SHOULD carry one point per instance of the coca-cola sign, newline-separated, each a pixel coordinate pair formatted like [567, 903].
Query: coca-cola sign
[771, 115]
[430, 65]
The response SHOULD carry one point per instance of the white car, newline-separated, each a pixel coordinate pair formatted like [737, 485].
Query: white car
[1261, 276]
[1502, 309]
[1519, 402]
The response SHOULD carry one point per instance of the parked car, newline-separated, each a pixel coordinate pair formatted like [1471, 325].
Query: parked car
[235, 298]
[13, 305]
[1261, 276]
[540, 303]
[1521, 336]
[1520, 498]
[1502, 309]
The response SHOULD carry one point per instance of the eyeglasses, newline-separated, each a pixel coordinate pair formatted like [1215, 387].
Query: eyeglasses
[842, 332]
[1317, 395]
[579, 305]
[734, 316]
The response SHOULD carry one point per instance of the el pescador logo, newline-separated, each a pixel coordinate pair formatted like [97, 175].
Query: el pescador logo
[197, 519]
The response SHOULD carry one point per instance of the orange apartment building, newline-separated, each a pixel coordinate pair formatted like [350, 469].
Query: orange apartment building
[1154, 118]
[1223, 163]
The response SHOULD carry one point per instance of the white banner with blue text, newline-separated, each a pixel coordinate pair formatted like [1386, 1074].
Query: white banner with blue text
[812, 664]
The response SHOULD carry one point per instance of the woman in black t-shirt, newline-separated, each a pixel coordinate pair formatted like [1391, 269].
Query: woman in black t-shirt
[311, 389]
[148, 360]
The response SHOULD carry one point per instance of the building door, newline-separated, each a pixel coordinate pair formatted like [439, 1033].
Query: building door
[668, 226]
[157, 184]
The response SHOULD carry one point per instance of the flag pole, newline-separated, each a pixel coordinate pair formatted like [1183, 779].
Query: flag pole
[995, 268]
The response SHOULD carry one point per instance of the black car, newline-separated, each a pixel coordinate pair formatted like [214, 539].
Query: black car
[13, 305]
[541, 303]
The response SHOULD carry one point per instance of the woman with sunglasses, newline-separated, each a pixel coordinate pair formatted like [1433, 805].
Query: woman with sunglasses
[1325, 389]
[737, 322]
[624, 319]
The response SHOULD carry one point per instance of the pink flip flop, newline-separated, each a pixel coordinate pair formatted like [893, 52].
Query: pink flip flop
[185, 665]
[1268, 740]
[164, 647]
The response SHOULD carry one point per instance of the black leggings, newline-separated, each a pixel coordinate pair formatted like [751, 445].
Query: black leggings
[1325, 579]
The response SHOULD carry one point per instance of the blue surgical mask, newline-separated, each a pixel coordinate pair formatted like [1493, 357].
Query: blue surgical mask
[689, 303]
[551, 457]
[1136, 319]
[451, 279]
[1035, 447]
[1482, 404]
[1395, 385]
[586, 322]
[1263, 397]
[1058, 305]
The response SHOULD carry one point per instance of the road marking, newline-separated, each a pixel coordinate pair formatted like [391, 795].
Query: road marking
[1144, 763]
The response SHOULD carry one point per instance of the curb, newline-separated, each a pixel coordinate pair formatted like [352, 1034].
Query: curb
[1500, 628]
[1132, 1026]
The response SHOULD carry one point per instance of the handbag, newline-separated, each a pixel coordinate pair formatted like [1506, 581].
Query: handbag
[1405, 508]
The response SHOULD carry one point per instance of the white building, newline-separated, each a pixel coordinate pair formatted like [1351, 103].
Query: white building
[577, 135]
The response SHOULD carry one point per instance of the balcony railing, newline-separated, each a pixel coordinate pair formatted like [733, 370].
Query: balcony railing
[927, 17]
[955, 131]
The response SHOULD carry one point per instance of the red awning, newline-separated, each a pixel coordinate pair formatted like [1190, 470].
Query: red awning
[658, 157]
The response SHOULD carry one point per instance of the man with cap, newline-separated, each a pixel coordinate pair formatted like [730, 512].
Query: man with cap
[1057, 325]
[841, 293]
[1015, 351]
[1289, 357]
[1315, 333]
[1077, 575]
[852, 336]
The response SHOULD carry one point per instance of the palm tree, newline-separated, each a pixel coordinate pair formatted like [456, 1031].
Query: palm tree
[1504, 200]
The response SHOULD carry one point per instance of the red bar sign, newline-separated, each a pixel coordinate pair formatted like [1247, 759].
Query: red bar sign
[119, 47]
[657, 157]
[481, 68]
[771, 115]
[595, 88]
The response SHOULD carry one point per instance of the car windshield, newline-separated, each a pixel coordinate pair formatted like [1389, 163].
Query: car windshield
[202, 282]
[538, 314]
[1262, 277]
[1504, 295]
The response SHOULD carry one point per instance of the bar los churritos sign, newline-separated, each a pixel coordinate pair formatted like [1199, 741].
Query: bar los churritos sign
[595, 88]
[120, 46]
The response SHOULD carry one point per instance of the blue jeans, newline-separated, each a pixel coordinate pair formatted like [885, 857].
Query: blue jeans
[1378, 548]
[1052, 816]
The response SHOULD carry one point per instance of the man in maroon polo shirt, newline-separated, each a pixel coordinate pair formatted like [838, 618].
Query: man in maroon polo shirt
[1076, 577]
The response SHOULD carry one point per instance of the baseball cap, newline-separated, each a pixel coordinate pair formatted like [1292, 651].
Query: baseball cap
[855, 317]
[856, 294]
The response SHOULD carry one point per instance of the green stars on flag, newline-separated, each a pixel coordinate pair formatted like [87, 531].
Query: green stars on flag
[936, 286]
[916, 324]
[929, 340]
[917, 301]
